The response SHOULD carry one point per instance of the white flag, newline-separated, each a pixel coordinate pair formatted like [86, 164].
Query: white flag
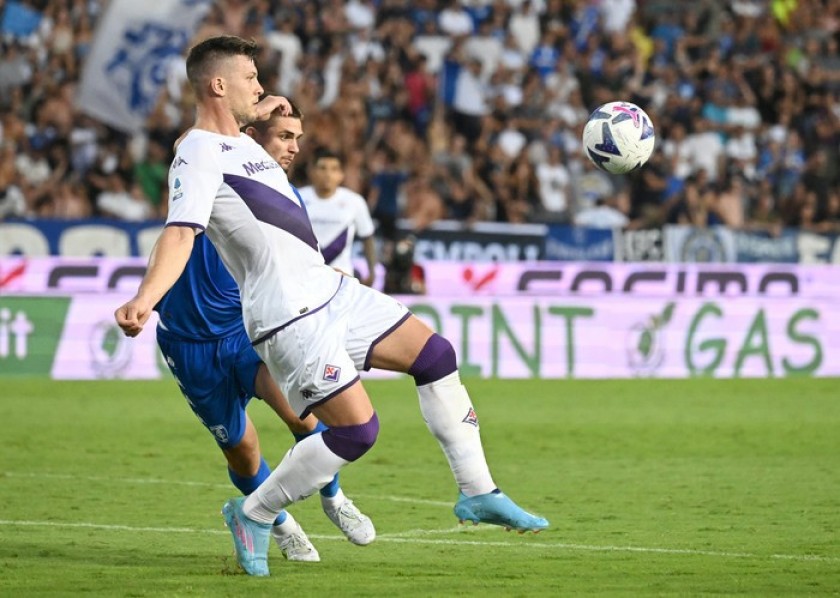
[127, 64]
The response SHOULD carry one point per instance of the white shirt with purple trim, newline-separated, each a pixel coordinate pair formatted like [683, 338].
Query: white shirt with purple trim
[337, 220]
[232, 188]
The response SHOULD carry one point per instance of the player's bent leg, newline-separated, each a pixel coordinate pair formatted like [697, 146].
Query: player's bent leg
[449, 415]
[247, 469]
[340, 510]
[243, 456]
[267, 390]
[313, 462]
[355, 525]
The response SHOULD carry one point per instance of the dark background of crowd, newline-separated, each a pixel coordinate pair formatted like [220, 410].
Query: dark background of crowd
[472, 110]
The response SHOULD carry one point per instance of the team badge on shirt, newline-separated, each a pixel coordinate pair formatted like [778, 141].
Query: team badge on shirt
[331, 373]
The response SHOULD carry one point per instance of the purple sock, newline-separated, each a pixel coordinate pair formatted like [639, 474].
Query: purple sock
[351, 442]
[436, 360]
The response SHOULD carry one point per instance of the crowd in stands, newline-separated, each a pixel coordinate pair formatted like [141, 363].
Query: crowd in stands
[470, 110]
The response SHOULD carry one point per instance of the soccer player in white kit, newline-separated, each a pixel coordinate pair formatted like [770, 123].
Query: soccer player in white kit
[313, 327]
[338, 215]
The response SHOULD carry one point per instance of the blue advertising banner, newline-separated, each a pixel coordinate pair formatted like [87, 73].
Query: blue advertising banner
[575, 243]
[78, 238]
[452, 241]
[760, 246]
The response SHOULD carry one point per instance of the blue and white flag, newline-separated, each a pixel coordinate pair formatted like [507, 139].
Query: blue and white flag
[127, 64]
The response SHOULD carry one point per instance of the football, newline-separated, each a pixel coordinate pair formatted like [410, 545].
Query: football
[618, 137]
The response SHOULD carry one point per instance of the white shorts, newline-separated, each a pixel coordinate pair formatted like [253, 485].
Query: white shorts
[320, 355]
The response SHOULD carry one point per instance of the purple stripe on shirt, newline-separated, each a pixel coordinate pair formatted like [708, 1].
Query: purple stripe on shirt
[334, 249]
[272, 207]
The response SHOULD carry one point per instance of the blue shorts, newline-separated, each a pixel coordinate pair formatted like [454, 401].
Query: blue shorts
[217, 378]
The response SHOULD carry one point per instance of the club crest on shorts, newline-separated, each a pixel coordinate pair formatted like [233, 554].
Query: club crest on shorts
[331, 373]
[471, 418]
[220, 432]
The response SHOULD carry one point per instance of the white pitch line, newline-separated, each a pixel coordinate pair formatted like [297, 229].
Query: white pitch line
[405, 538]
[63, 476]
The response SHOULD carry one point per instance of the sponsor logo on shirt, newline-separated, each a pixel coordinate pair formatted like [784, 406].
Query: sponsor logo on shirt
[225, 147]
[252, 168]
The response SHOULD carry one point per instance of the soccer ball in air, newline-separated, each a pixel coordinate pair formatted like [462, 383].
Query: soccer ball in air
[618, 137]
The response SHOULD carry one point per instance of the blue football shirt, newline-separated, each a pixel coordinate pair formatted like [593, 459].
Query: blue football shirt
[204, 303]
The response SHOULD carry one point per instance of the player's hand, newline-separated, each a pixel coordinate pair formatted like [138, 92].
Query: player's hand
[269, 104]
[132, 316]
[367, 280]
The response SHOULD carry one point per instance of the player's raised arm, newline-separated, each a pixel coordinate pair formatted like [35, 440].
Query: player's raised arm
[166, 263]
[269, 104]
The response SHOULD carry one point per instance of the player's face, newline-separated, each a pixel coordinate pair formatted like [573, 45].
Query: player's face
[280, 140]
[243, 88]
[327, 174]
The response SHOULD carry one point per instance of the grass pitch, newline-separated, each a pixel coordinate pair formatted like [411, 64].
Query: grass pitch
[652, 487]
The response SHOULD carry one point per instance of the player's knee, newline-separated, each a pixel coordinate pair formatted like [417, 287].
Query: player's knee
[351, 442]
[436, 360]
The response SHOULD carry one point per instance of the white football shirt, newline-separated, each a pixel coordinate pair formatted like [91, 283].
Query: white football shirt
[337, 220]
[232, 188]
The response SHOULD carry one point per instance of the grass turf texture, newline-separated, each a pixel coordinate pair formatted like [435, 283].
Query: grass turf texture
[652, 487]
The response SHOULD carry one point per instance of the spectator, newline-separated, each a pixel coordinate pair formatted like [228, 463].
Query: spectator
[605, 214]
[590, 186]
[469, 103]
[554, 186]
[735, 89]
[385, 190]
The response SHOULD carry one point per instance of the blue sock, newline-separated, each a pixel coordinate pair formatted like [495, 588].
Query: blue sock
[246, 485]
[332, 488]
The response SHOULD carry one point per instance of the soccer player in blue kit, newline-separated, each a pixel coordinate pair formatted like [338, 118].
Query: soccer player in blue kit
[315, 328]
[203, 340]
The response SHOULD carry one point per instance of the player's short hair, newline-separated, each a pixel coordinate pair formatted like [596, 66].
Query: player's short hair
[262, 125]
[205, 55]
[325, 153]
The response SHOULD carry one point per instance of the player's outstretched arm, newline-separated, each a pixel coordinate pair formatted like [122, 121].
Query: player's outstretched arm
[168, 259]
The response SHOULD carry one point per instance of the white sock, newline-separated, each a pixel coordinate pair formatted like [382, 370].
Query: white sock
[308, 466]
[448, 412]
[288, 526]
[333, 502]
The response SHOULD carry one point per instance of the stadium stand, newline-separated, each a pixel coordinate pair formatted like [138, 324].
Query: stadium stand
[468, 110]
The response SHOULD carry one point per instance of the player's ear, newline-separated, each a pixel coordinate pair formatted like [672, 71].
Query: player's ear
[217, 86]
[250, 132]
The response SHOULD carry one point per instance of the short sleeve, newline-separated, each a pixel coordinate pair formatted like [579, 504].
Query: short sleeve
[194, 180]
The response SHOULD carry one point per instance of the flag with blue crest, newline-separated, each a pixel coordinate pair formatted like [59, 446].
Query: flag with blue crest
[134, 46]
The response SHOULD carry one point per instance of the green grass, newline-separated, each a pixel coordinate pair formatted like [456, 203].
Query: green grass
[652, 487]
